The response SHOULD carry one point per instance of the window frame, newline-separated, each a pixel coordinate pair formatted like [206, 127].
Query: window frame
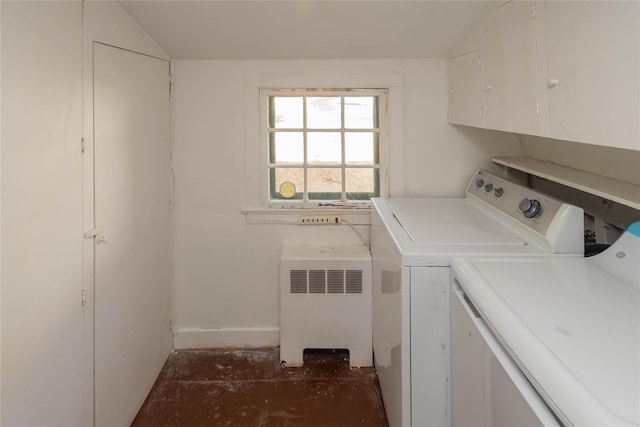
[380, 168]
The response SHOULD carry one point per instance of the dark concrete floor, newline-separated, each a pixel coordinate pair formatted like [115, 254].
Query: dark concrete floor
[249, 387]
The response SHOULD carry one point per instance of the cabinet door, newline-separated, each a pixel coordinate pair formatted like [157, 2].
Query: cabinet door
[593, 72]
[465, 90]
[510, 68]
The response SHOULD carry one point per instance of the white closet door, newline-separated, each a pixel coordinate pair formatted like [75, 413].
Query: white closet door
[132, 253]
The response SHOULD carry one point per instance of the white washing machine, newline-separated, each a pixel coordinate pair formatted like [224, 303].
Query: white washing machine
[413, 242]
[571, 327]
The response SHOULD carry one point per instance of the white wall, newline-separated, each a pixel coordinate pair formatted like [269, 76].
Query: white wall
[226, 271]
[41, 213]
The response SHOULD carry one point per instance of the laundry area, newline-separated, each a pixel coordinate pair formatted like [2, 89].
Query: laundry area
[311, 213]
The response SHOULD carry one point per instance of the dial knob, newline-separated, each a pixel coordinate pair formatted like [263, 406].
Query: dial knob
[498, 192]
[488, 187]
[529, 207]
[479, 182]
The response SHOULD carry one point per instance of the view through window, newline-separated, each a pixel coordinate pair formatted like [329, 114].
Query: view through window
[324, 146]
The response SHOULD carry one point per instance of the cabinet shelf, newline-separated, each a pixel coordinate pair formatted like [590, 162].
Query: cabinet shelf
[617, 191]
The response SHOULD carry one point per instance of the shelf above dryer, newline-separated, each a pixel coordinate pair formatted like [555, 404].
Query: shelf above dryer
[625, 193]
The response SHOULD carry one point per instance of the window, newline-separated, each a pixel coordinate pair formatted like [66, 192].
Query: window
[325, 147]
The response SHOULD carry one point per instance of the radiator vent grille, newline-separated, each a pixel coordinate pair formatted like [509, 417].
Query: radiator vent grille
[325, 281]
[354, 281]
[335, 281]
[298, 279]
[317, 280]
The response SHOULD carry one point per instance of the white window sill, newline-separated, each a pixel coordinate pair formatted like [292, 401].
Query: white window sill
[289, 216]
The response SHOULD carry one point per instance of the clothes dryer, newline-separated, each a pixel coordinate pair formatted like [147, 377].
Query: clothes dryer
[571, 327]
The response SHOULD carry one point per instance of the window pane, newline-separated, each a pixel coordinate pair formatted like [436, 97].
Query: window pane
[324, 147]
[287, 112]
[360, 183]
[281, 175]
[287, 147]
[359, 112]
[324, 183]
[359, 147]
[323, 113]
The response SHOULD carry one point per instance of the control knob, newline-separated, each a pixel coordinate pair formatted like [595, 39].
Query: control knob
[479, 182]
[498, 192]
[488, 187]
[529, 207]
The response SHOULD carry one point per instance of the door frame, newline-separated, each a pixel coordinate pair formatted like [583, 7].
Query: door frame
[88, 215]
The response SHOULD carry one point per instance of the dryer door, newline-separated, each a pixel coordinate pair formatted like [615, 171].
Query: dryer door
[487, 388]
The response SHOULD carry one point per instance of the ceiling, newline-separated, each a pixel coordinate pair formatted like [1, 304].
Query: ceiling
[306, 29]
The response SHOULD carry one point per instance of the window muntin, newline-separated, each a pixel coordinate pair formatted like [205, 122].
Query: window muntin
[327, 143]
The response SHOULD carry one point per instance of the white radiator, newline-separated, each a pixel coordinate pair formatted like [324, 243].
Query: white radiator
[325, 302]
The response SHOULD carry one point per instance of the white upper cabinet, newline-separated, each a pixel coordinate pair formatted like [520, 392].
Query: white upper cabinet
[593, 78]
[466, 93]
[511, 102]
[567, 70]
[465, 89]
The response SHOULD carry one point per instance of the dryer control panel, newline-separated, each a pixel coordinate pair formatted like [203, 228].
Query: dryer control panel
[555, 225]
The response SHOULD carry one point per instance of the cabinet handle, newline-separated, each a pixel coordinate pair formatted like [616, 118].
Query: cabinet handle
[488, 88]
[553, 82]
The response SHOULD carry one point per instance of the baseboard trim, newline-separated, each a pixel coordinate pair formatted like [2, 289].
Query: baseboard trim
[255, 337]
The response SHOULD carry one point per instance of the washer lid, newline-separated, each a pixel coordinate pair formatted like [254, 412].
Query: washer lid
[449, 222]
[573, 328]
